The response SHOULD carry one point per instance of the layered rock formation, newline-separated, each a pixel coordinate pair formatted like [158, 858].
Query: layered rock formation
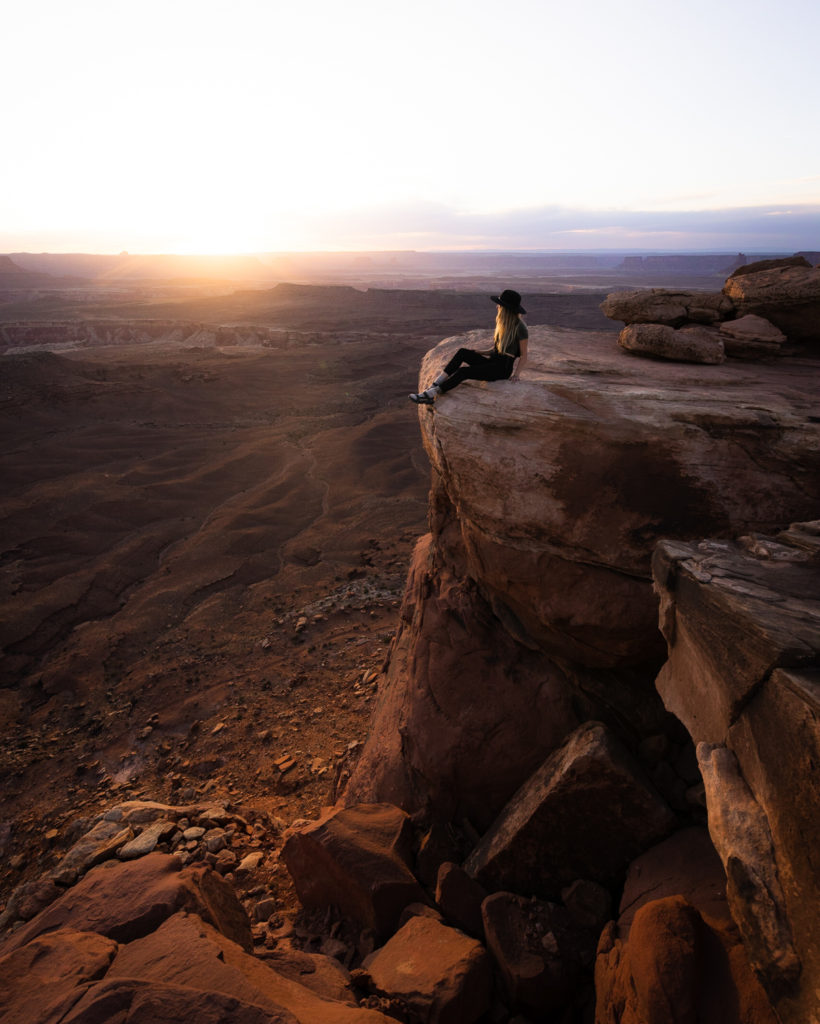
[742, 622]
[764, 310]
[530, 610]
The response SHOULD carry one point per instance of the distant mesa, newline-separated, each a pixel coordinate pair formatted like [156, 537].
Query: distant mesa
[683, 263]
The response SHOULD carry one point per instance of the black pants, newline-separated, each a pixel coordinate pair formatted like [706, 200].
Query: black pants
[479, 367]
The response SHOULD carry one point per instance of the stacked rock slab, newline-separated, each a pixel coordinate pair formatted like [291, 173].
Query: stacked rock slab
[742, 622]
[762, 307]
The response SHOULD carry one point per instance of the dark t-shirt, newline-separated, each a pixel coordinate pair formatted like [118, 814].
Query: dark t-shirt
[512, 346]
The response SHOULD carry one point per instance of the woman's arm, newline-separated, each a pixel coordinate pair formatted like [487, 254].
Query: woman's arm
[521, 362]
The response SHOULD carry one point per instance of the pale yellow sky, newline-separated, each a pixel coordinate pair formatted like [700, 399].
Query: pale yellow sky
[267, 125]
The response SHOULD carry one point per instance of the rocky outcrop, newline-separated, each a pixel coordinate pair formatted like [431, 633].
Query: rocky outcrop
[527, 615]
[674, 953]
[145, 941]
[742, 622]
[530, 608]
[788, 296]
[762, 306]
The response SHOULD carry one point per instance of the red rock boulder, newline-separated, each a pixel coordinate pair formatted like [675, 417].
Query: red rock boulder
[357, 860]
[435, 973]
[588, 811]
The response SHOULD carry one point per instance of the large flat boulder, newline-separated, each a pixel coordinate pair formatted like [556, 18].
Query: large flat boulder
[681, 345]
[355, 859]
[128, 1001]
[587, 812]
[186, 951]
[667, 306]
[751, 337]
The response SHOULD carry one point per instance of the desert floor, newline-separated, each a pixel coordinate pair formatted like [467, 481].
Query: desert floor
[204, 552]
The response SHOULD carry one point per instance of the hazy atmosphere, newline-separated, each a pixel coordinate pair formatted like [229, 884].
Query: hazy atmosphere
[266, 126]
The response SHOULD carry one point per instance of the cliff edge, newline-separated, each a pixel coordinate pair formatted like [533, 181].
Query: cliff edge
[530, 606]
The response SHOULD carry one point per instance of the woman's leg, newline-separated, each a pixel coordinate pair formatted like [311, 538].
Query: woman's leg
[464, 355]
[483, 368]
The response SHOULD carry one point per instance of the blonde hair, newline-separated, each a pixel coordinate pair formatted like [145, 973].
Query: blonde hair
[506, 328]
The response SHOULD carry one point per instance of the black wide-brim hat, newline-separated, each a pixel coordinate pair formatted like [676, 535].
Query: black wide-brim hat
[509, 300]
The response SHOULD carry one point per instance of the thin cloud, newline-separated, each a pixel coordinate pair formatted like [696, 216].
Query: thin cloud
[430, 225]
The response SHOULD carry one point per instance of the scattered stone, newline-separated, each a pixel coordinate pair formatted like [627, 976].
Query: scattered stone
[250, 862]
[264, 909]
[147, 840]
[99, 844]
[214, 840]
[285, 763]
[439, 975]
[356, 859]
[550, 832]
[226, 861]
[218, 728]
[193, 832]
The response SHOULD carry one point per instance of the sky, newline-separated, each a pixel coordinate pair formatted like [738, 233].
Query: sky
[275, 125]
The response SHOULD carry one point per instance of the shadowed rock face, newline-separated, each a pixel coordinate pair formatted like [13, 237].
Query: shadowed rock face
[743, 626]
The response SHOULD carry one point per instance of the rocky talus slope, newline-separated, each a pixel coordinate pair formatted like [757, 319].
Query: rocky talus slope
[589, 791]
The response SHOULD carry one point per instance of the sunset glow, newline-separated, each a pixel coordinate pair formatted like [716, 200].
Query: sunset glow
[267, 125]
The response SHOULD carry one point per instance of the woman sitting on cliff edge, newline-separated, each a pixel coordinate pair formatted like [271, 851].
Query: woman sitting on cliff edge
[505, 362]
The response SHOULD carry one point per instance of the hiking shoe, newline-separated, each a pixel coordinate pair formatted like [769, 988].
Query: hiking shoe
[421, 399]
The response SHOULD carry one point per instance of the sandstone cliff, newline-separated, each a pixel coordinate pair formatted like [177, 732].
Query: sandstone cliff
[530, 610]
[530, 605]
